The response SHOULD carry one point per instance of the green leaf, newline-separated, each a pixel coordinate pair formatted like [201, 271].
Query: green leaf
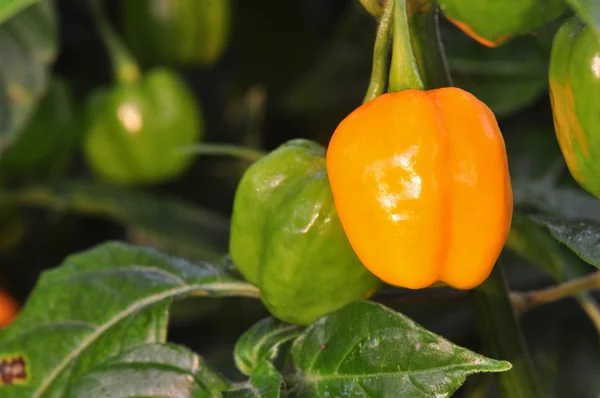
[583, 237]
[28, 44]
[366, 349]
[261, 343]
[151, 370]
[9, 8]
[97, 304]
[165, 223]
[47, 143]
[588, 11]
[534, 243]
[264, 383]
[502, 336]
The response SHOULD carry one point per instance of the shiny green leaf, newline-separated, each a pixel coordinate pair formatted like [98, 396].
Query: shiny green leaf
[366, 349]
[261, 343]
[581, 236]
[97, 304]
[151, 370]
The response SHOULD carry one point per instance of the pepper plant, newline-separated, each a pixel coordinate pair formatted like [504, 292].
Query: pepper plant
[215, 201]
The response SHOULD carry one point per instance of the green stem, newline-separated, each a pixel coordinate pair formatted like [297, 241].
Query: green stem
[502, 337]
[125, 67]
[528, 300]
[418, 60]
[380, 54]
[225, 150]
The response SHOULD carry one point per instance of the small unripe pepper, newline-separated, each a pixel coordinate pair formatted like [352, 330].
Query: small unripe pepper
[421, 185]
[286, 237]
[179, 32]
[135, 131]
[493, 22]
[575, 93]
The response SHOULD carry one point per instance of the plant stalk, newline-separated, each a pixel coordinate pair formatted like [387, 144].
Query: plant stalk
[418, 60]
[377, 83]
[124, 65]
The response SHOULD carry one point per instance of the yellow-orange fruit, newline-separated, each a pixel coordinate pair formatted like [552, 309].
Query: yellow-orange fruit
[421, 185]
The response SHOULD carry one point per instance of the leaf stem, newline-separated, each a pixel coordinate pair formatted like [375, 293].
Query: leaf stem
[529, 300]
[380, 54]
[591, 308]
[233, 289]
[502, 336]
[125, 67]
[224, 150]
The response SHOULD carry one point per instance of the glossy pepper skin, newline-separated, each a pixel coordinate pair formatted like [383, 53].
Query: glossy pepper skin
[575, 93]
[421, 186]
[493, 22]
[135, 131]
[286, 237]
[181, 32]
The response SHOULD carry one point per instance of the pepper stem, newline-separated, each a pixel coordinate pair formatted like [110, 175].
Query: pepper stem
[380, 54]
[124, 65]
[418, 60]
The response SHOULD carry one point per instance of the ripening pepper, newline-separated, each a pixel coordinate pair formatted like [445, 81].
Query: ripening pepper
[421, 185]
[575, 95]
[286, 237]
[181, 32]
[493, 22]
[136, 130]
[9, 309]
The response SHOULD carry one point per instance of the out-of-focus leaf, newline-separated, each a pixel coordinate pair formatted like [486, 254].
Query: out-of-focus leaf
[534, 243]
[151, 370]
[96, 305]
[165, 223]
[28, 44]
[589, 11]
[502, 336]
[369, 350]
[46, 144]
[9, 8]
[261, 343]
[583, 237]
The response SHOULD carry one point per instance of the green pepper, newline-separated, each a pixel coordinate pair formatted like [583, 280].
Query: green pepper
[135, 130]
[286, 237]
[182, 32]
[574, 87]
[493, 22]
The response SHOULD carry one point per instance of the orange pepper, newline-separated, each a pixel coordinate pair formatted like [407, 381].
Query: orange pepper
[421, 185]
[9, 309]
